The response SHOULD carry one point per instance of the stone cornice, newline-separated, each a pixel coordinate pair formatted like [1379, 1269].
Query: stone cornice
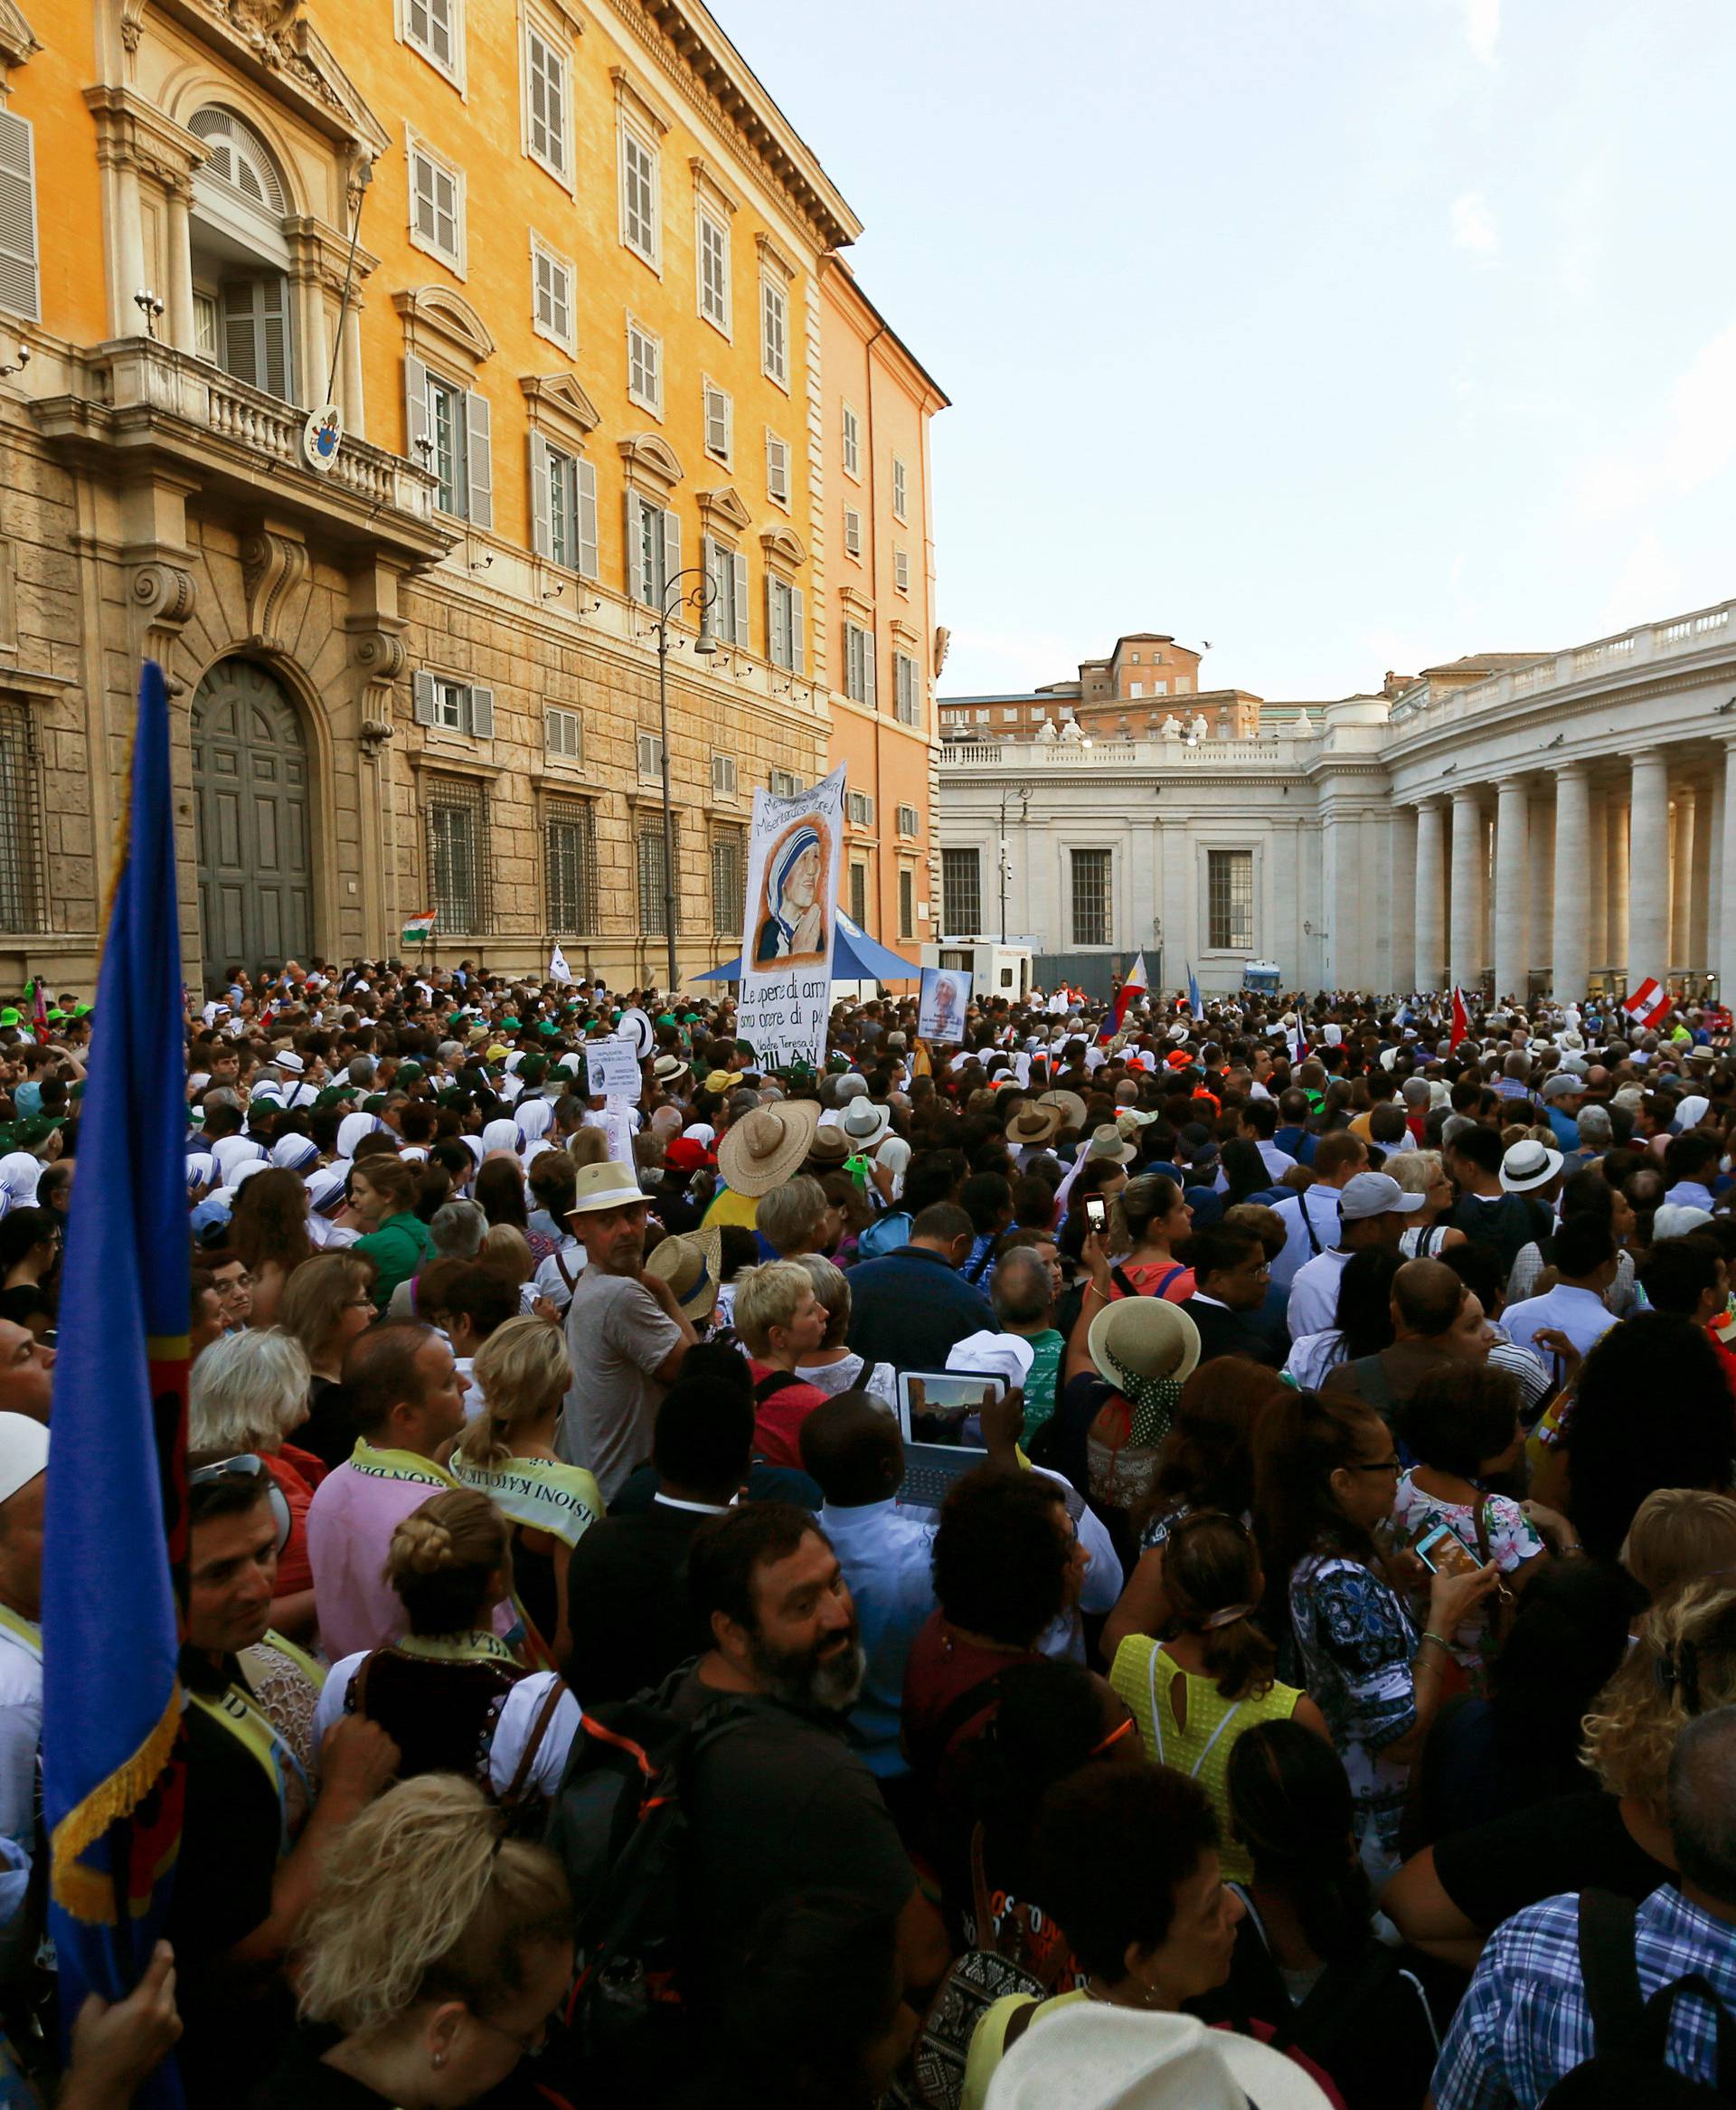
[273, 44]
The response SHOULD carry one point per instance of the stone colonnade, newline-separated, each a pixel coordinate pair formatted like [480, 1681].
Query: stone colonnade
[1597, 871]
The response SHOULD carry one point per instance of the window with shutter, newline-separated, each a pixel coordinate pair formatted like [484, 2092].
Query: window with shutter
[777, 468]
[436, 206]
[774, 333]
[478, 462]
[852, 531]
[719, 422]
[906, 694]
[563, 734]
[650, 756]
[900, 488]
[861, 807]
[435, 29]
[798, 630]
[448, 449]
[545, 73]
[253, 324]
[21, 291]
[550, 294]
[723, 775]
[908, 820]
[645, 367]
[851, 443]
[639, 188]
[902, 570]
[784, 783]
[713, 271]
[585, 482]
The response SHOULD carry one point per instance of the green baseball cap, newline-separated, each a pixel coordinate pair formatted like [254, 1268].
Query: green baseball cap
[10, 1015]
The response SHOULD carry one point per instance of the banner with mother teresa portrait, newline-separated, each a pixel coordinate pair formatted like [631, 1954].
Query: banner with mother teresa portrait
[795, 863]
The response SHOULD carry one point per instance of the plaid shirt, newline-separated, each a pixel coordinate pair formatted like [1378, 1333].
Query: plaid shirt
[1525, 2022]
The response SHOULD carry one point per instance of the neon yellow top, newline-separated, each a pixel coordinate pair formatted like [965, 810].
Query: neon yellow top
[730, 1207]
[988, 2039]
[1148, 1676]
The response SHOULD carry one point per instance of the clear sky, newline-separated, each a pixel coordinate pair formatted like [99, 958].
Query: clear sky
[1348, 335]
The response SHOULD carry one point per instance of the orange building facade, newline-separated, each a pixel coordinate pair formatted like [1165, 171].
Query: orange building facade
[417, 384]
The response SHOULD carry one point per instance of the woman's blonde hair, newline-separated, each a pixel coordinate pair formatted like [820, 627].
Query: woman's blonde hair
[520, 1368]
[1416, 1171]
[505, 1246]
[316, 1294]
[429, 1900]
[1682, 1663]
[832, 1287]
[1680, 1535]
[765, 1297]
[442, 1557]
[588, 1145]
[247, 1392]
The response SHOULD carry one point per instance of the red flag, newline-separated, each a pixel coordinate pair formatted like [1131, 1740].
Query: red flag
[1649, 1004]
[1461, 1019]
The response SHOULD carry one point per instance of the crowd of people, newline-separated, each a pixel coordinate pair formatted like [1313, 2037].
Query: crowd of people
[1152, 1555]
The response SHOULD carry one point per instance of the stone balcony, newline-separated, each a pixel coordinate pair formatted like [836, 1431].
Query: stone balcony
[1061, 757]
[136, 404]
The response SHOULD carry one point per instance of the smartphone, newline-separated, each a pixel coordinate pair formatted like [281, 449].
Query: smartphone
[1444, 1552]
[1096, 1213]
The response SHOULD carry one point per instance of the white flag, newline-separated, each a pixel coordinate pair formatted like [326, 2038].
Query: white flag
[558, 968]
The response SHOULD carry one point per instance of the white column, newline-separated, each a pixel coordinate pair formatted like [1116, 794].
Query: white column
[1431, 871]
[1683, 832]
[1649, 867]
[1512, 870]
[1539, 886]
[1726, 879]
[1575, 874]
[1596, 883]
[1394, 960]
[1615, 867]
[178, 293]
[1468, 892]
[1709, 850]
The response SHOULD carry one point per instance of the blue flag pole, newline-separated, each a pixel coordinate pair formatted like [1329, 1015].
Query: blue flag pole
[113, 1770]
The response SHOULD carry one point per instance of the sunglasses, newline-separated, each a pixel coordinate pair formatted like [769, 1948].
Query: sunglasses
[244, 1465]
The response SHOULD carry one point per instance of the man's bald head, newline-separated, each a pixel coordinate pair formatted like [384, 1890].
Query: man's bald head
[1426, 1298]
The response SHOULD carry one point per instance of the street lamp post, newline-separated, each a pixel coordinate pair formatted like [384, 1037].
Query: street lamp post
[704, 592]
[1024, 792]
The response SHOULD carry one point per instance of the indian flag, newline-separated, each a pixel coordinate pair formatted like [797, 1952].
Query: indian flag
[419, 930]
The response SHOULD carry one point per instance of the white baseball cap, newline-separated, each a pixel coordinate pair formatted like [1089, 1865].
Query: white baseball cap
[23, 1452]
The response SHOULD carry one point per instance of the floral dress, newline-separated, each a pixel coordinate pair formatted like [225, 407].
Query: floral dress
[1355, 1644]
[1512, 1539]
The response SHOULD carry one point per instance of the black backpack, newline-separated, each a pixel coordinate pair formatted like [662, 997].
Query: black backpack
[1629, 2032]
[619, 1827]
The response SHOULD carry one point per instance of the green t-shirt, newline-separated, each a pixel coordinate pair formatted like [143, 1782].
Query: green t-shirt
[397, 1249]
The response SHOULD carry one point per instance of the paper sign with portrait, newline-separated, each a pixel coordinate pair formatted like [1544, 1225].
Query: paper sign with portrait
[794, 857]
[945, 999]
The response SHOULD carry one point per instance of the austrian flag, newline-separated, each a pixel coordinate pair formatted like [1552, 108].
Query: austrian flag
[1649, 1003]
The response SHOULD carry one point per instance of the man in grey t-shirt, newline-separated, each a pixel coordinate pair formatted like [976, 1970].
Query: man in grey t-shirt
[625, 1332]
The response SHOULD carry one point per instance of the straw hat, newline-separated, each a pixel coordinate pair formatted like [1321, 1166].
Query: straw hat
[1143, 1337]
[604, 1187]
[693, 1266]
[1526, 1166]
[1107, 1145]
[1095, 2056]
[1072, 1107]
[763, 1151]
[1035, 1122]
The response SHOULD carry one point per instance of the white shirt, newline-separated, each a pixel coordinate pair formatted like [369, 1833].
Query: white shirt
[512, 1729]
[550, 1282]
[1312, 1356]
[1276, 1161]
[1313, 1307]
[1321, 1205]
[1580, 1314]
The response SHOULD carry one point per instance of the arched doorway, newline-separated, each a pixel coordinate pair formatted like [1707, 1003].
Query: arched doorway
[249, 777]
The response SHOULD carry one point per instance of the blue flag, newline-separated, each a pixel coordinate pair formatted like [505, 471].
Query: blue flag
[112, 1764]
[1194, 1003]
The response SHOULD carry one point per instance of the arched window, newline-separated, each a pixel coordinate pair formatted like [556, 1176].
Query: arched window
[241, 261]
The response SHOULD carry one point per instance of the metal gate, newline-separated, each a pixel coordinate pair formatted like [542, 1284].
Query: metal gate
[250, 781]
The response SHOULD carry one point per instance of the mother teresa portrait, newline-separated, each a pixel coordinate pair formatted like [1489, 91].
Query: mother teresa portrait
[794, 926]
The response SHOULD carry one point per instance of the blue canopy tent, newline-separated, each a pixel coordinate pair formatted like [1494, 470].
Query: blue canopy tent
[855, 957]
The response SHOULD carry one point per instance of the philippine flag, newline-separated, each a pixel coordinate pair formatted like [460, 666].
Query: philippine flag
[1136, 985]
